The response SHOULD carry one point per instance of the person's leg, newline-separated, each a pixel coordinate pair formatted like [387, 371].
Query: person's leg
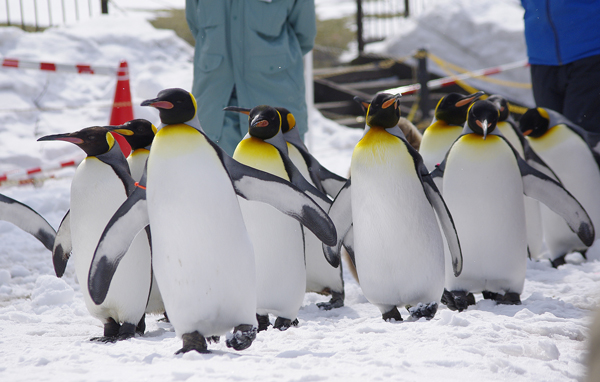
[233, 132]
[546, 86]
[582, 99]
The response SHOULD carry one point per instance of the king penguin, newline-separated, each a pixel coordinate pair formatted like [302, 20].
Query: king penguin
[564, 149]
[139, 133]
[202, 254]
[278, 241]
[484, 182]
[27, 219]
[449, 118]
[100, 184]
[389, 205]
[533, 218]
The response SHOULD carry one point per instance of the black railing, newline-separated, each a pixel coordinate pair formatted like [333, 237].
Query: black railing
[377, 19]
[47, 13]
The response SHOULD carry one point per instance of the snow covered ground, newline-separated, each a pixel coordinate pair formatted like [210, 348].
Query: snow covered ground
[45, 327]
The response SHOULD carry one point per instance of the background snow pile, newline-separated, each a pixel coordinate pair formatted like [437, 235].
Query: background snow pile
[470, 34]
[45, 327]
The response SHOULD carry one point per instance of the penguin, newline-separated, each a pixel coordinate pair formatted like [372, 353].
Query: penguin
[389, 207]
[484, 181]
[139, 134]
[533, 217]
[100, 184]
[321, 277]
[449, 117]
[201, 251]
[279, 242]
[560, 145]
[27, 219]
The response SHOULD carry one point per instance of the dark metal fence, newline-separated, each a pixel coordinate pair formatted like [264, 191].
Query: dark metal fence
[47, 12]
[378, 19]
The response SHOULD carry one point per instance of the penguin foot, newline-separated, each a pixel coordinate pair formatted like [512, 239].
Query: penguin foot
[242, 337]
[213, 339]
[127, 330]
[558, 261]
[336, 301]
[423, 310]
[141, 326]
[458, 299]
[263, 322]
[509, 298]
[165, 318]
[393, 314]
[491, 295]
[111, 332]
[193, 341]
[284, 323]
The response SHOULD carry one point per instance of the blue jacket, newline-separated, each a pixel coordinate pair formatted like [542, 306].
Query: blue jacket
[558, 32]
[256, 46]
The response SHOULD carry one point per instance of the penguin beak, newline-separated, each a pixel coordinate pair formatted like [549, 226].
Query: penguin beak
[62, 137]
[484, 126]
[471, 98]
[238, 109]
[157, 103]
[392, 101]
[527, 132]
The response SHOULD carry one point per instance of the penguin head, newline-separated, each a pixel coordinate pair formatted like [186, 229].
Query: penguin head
[482, 117]
[502, 105]
[383, 111]
[95, 140]
[535, 122]
[139, 133]
[453, 107]
[264, 122]
[174, 106]
[288, 122]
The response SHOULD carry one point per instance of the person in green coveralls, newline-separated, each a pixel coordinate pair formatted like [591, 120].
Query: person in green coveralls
[249, 53]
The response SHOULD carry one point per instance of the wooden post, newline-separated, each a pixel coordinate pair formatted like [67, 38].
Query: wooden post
[104, 5]
[422, 79]
[359, 28]
[406, 8]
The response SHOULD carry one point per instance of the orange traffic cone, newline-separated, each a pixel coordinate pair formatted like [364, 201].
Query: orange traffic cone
[122, 110]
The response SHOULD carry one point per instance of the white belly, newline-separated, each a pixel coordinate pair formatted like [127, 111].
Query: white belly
[398, 244]
[96, 193]
[203, 259]
[484, 193]
[279, 255]
[572, 161]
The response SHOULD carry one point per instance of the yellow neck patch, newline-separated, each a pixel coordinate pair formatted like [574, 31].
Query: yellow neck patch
[256, 153]
[376, 146]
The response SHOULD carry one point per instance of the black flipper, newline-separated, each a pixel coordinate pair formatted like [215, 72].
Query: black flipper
[128, 220]
[62, 245]
[27, 219]
[340, 213]
[252, 184]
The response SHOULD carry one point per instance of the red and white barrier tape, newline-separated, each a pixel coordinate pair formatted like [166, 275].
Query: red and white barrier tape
[26, 174]
[451, 80]
[56, 67]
